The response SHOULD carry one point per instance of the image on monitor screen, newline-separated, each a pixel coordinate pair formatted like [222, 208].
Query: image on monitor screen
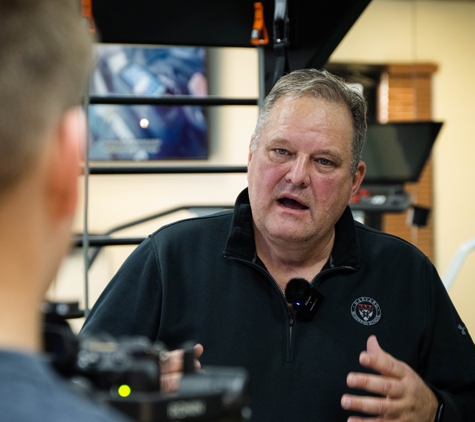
[146, 132]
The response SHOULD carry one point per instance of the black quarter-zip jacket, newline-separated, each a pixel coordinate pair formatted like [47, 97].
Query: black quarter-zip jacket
[200, 279]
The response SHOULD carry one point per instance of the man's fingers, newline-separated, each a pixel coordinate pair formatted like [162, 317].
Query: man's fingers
[358, 419]
[198, 350]
[377, 384]
[172, 368]
[380, 361]
[368, 405]
[174, 361]
[405, 396]
[372, 345]
[170, 382]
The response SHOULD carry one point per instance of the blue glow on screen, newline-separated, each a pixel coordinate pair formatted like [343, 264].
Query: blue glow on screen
[143, 132]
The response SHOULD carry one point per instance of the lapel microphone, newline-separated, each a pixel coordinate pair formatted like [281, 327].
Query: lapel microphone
[304, 298]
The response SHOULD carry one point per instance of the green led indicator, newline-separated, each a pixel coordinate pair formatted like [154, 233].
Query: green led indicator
[124, 390]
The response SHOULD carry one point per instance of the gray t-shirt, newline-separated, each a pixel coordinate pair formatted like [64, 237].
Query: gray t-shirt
[31, 391]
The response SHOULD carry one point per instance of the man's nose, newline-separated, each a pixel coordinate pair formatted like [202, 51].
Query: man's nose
[299, 172]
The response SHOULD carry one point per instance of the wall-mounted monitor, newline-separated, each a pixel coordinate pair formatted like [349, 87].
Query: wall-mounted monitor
[148, 132]
[396, 153]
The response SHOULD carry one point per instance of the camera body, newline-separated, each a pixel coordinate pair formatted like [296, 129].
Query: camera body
[125, 373]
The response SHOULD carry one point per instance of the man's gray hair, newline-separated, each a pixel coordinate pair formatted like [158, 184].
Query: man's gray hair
[318, 84]
[45, 56]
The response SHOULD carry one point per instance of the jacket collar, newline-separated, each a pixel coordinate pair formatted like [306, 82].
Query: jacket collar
[240, 242]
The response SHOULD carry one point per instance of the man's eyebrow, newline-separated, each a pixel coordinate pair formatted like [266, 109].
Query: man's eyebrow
[328, 152]
[280, 141]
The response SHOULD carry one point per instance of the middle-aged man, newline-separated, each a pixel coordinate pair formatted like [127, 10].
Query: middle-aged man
[385, 344]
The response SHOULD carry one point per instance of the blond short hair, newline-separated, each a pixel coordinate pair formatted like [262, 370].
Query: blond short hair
[45, 56]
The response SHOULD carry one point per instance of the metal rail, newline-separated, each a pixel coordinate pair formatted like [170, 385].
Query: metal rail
[105, 239]
[172, 100]
[160, 169]
[457, 262]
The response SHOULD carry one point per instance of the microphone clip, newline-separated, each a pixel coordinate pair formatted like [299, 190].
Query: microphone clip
[309, 306]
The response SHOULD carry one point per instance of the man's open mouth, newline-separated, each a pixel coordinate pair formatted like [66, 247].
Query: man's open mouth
[292, 204]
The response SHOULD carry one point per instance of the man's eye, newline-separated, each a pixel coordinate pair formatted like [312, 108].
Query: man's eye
[281, 151]
[324, 161]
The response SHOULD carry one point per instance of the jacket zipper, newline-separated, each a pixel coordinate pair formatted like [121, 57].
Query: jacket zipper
[289, 359]
[289, 312]
[290, 350]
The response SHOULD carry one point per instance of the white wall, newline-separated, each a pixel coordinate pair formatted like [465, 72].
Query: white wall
[442, 32]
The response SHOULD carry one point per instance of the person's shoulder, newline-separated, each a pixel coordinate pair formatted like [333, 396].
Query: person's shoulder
[31, 390]
[211, 223]
[370, 238]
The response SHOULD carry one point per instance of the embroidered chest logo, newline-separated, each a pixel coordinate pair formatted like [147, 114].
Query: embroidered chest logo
[366, 311]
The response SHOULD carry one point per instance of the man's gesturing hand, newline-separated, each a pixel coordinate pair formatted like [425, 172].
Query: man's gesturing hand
[405, 396]
[172, 368]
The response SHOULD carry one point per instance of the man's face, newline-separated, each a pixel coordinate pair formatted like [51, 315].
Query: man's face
[299, 175]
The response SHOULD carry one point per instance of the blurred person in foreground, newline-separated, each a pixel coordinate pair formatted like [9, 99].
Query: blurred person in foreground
[45, 57]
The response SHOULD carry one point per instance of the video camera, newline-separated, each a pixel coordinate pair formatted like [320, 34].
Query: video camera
[125, 373]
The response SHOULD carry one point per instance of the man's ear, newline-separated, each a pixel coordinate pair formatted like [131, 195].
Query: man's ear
[358, 177]
[62, 182]
[252, 143]
[249, 156]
